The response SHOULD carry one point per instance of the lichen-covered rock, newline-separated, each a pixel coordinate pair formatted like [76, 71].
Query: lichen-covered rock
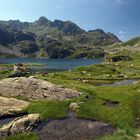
[11, 106]
[20, 125]
[73, 106]
[33, 88]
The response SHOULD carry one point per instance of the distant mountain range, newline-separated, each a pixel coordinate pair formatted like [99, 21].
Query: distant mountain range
[52, 39]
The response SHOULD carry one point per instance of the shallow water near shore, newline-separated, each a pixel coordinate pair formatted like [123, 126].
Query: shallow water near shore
[52, 64]
[72, 128]
[6, 120]
[119, 83]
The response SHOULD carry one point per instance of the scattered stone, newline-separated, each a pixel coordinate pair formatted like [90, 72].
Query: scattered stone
[32, 76]
[138, 136]
[34, 89]
[131, 65]
[20, 125]
[88, 74]
[73, 106]
[107, 75]
[135, 82]
[84, 72]
[125, 76]
[11, 106]
[85, 81]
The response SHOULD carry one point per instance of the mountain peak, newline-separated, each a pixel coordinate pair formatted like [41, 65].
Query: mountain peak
[97, 30]
[42, 21]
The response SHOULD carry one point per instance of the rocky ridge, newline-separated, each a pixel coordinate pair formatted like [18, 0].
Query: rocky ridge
[51, 39]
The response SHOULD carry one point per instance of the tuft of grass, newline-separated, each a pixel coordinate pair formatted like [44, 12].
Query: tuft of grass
[49, 109]
[4, 74]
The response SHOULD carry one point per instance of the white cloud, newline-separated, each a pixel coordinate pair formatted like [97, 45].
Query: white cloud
[122, 32]
[122, 35]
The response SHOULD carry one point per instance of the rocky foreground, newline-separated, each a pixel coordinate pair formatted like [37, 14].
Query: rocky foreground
[11, 106]
[69, 128]
[34, 89]
[20, 125]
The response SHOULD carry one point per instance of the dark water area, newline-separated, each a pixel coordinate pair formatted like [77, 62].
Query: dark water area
[52, 64]
[5, 121]
[119, 83]
[72, 128]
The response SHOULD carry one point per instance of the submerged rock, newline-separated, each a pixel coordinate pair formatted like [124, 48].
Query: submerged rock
[20, 125]
[33, 88]
[11, 106]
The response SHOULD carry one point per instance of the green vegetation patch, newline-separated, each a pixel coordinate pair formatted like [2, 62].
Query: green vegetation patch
[132, 42]
[4, 74]
[49, 109]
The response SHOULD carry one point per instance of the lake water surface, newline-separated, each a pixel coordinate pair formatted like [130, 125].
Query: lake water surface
[53, 64]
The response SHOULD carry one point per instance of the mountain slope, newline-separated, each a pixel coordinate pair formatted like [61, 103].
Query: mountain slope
[53, 39]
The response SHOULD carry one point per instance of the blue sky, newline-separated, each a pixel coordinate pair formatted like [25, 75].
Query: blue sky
[122, 17]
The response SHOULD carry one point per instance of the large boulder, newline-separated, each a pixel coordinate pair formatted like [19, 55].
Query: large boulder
[11, 106]
[20, 125]
[33, 88]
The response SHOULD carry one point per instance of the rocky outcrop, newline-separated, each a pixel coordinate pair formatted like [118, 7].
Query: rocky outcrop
[117, 58]
[11, 106]
[33, 88]
[20, 125]
[20, 70]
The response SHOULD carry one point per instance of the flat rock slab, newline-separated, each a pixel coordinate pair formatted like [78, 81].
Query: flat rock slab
[33, 88]
[73, 129]
[11, 106]
[20, 125]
